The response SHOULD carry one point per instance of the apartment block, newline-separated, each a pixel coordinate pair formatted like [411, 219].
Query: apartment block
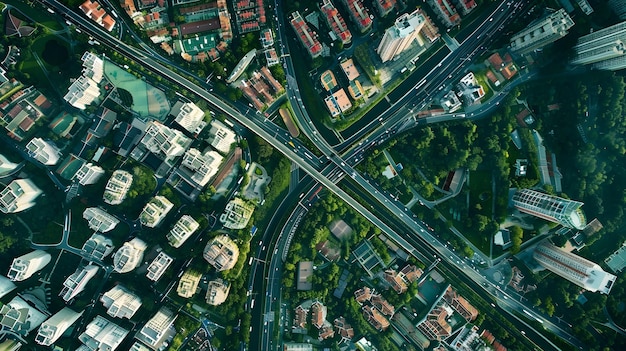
[120, 303]
[77, 281]
[221, 252]
[155, 211]
[129, 256]
[542, 32]
[359, 14]
[552, 208]
[54, 327]
[335, 21]
[158, 266]
[117, 187]
[401, 35]
[158, 329]
[99, 220]
[446, 12]
[25, 266]
[97, 247]
[43, 151]
[182, 230]
[191, 118]
[18, 196]
[188, 284]
[100, 335]
[603, 49]
[308, 38]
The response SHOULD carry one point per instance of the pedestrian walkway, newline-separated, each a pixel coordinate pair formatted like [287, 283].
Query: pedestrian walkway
[451, 43]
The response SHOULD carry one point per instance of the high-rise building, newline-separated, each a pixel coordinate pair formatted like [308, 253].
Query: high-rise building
[619, 7]
[188, 283]
[6, 286]
[551, 208]
[604, 49]
[217, 292]
[18, 196]
[221, 252]
[117, 187]
[43, 151]
[100, 220]
[129, 256]
[25, 266]
[77, 281]
[6, 166]
[23, 313]
[120, 302]
[191, 117]
[335, 21]
[102, 335]
[582, 272]
[542, 32]
[54, 327]
[182, 230]
[157, 329]
[307, 37]
[359, 14]
[89, 174]
[401, 35]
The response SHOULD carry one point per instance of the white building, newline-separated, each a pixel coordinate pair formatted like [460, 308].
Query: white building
[77, 281]
[582, 272]
[221, 137]
[154, 211]
[604, 49]
[6, 286]
[164, 142]
[25, 266]
[182, 230]
[217, 292]
[23, 314]
[401, 35]
[117, 187]
[157, 329]
[89, 174]
[99, 220]
[120, 303]
[54, 327]
[43, 151]
[542, 32]
[221, 252]
[469, 89]
[129, 256]
[18, 196]
[191, 118]
[236, 214]
[188, 284]
[93, 66]
[204, 166]
[158, 266]
[102, 335]
[6, 166]
[98, 246]
[82, 92]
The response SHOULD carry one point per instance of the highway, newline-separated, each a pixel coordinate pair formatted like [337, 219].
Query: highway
[279, 138]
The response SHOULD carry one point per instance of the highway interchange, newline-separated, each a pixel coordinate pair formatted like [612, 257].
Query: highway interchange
[338, 162]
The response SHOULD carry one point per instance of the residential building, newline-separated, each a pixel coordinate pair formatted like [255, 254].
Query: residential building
[237, 214]
[469, 89]
[542, 32]
[401, 35]
[271, 57]
[221, 137]
[345, 330]
[188, 283]
[375, 318]
[221, 252]
[450, 102]
[335, 21]
[294, 346]
[120, 302]
[382, 305]
[603, 49]
[158, 266]
[396, 282]
[43, 151]
[191, 118]
[201, 167]
[129, 256]
[552, 208]
[18, 196]
[384, 7]
[308, 38]
[303, 276]
[445, 11]
[217, 292]
[117, 187]
[6, 166]
[619, 7]
[318, 314]
[338, 103]
[328, 80]
[77, 281]
[460, 304]
[99, 220]
[267, 38]
[355, 89]
[241, 66]
[23, 313]
[349, 69]
[54, 327]
[465, 6]
[161, 141]
[582, 272]
[97, 247]
[96, 13]
[158, 329]
[82, 92]
[25, 266]
[300, 316]
[100, 335]
[435, 325]
[184, 227]
[155, 211]
[6, 286]
[362, 295]
[359, 14]
[89, 174]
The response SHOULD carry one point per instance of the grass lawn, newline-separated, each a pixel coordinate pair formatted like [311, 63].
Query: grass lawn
[37, 14]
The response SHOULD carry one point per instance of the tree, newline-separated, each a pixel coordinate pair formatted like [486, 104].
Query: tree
[516, 238]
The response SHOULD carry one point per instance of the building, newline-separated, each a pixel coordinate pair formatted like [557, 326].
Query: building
[158, 266]
[77, 281]
[304, 274]
[100, 335]
[184, 227]
[267, 38]
[359, 14]
[221, 137]
[335, 21]
[99, 220]
[318, 314]
[54, 327]
[460, 304]
[120, 303]
[375, 318]
[129, 256]
[362, 295]
[345, 330]
[401, 35]
[217, 292]
[355, 89]
[584, 273]
[603, 49]
[349, 69]
[308, 38]
[97, 247]
[158, 329]
[6, 166]
[552, 208]
[241, 66]
[384, 7]
[201, 167]
[88, 174]
[23, 313]
[382, 305]
[237, 214]
[117, 187]
[327, 78]
[221, 252]
[161, 141]
[96, 13]
[155, 211]
[435, 325]
[542, 32]
[465, 6]
[188, 283]
[25, 266]
[294, 346]
[338, 103]
[6, 286]
[82, 92]
[395, 280]
[470, 89]
[191, 118]
[619, 7]
[18, 196]
[445, 11]
[43, 151]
